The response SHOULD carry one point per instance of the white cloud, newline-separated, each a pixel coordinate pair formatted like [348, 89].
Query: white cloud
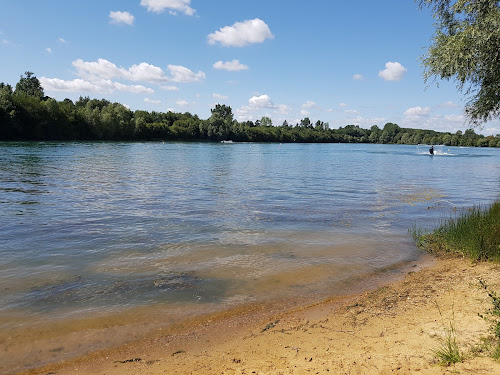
[105, 69]
[182, 103]
[393, 71]
[449, 104]
[121, 17]
[97, 86]
[282, 109]
[49, 50]
[61, 40]
[170, 88]
[151, 101]
[56, 84]
[142, 72]
[232, 66]
[241, 34]
[158, 6]
[101, 68]
[358, 77]
[260, 105]
[219, 96]
[455, 118]
[309, 104]
[135, 89]
[145, 72]
[491, 131]
[417, 111]
[182, 74]
[262, 101]
[342, 105]
[351, 112]
[303, 112]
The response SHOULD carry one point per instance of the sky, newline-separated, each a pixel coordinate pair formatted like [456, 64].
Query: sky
[339, 61]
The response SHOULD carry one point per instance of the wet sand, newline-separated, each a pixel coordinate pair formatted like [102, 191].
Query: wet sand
[392, 329]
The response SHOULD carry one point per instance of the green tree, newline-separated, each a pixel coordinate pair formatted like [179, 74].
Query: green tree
[220, 123]
[466, 48]
[29, 86]
[389, 132]
[266, 121]
[306, 123]
[7, 130]
[374, 134]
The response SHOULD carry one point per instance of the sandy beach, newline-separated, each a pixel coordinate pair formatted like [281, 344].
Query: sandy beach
[392, 329]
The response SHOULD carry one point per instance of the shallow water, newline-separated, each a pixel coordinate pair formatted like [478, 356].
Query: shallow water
[109, 230]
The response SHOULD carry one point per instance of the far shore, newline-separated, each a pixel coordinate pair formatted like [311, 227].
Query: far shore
[392, 329]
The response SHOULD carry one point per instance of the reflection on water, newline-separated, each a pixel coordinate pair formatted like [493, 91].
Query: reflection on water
[106, 228]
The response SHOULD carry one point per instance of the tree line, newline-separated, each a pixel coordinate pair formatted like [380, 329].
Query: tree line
[27, 114]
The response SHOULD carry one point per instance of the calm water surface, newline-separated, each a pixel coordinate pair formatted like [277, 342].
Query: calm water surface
[102, 229]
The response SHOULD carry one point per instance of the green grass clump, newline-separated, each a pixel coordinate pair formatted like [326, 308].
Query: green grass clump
[474, 233]
[448, 353]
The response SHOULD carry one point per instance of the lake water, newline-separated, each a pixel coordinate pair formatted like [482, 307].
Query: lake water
[95, 236]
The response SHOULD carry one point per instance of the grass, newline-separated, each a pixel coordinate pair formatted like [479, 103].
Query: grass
[448, 353]
[475, 233]
[492, 315]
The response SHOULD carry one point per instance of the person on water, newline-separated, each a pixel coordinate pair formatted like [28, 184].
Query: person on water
[431, 150]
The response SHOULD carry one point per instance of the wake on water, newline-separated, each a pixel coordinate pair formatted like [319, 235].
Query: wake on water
[437, 151]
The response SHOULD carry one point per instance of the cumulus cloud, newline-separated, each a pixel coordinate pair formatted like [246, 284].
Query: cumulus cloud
[158, 6]
[455, 118]
[142, 72]
[417, 111]
[282, 109]
[62, 40]
[151, 101]
[97, 86]
[351, 112]
[232, 66]
[358, 77]
[100, 77]
[219, 96]
[342, 105]
[182, 74]
[182, 103]
[260, 105]
[49, 50]
[393, 71]
[170, 88]
[121, 17]
[262, 101]
[241, 34]
[303, 112]
[449, 104]
[309, 104]
[105, 69]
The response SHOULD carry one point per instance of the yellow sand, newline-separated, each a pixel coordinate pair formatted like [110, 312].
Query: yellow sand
[391, 330]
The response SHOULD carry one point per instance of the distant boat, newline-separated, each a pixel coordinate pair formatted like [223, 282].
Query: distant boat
[226, 142]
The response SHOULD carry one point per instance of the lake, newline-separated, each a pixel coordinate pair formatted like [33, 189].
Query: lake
[95, 237]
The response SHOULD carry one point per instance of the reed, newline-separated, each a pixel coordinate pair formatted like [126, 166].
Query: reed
[474, 233]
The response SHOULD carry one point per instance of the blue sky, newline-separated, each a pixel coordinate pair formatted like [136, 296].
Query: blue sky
[341, 62]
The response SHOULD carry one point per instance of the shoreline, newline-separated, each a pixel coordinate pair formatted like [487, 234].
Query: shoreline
[43, 343]
[390, 329]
